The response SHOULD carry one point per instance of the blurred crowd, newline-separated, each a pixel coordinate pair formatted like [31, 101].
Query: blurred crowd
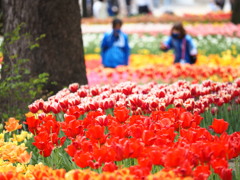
[104, 8]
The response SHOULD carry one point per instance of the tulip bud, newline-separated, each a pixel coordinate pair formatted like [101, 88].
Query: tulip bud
[229, 108]
[162, 106]
[127, 90]
[41, 116]
[153, 104]
[46, 107]
[40, 103]
[95, 91]
[238, 100]
[178, 102]
[55, 108]
[33, 108]
[73, 87]
[214, 110]
[82, 93]
[160, 94]
[102, 120]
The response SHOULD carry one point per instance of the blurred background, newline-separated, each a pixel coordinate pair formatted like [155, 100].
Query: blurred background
[157, 7]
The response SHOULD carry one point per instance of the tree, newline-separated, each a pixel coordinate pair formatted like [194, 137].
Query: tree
[235, 11]
[50, 37]
[46, 36]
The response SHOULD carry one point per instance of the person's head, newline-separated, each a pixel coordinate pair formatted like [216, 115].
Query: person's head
[178, 31]
[117, 24]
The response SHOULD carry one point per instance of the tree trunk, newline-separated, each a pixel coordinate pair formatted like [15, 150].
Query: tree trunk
[87, 8]
[60, 52]
[235, 11]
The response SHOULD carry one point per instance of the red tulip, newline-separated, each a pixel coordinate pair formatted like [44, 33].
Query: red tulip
[109, 167]
[174, 157]
[224, 173]
[74, 101]
[82, 93]
[136, 130]
[145, 162]
[83, 159]
[73, 87]
[219, 126]
[33, 124]
[55, 108]
[155, 154]
[117, 130]
[46, 107]
[139, 172]
[102, 120]
[121, 113]
[201, 172]
[33, 108]
[76, 111]
[71, 150]
[50, 125]
[186, 119]
[148, 137]
[44, 143]
[95, 91]
[95, 133]
[160, 94]
[178, 102]
[216, 163]
[234, 145]
[41, 116]
[104, 154]
[72, 127]
[166, 133]
[127, 90]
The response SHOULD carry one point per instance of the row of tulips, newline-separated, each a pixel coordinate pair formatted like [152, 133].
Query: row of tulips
[226, 29]
[161, 73]
[159, 141]
[166, 140]
[14, 161]
[142, 99]
[40, 172]
[136, 61]
[209, 17]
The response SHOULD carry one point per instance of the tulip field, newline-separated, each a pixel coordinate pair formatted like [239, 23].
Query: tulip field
[149, 120]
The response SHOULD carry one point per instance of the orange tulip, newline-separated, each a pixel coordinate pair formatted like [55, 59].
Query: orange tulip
[12, 124]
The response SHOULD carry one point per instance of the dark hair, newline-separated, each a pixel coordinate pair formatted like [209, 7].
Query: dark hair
[116, 21]
[179, 27]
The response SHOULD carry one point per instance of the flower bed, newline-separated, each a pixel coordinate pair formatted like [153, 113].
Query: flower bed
[142, 99]
[149, 44]
[226, 29]
[209, 17]
[128, 131]
[159, 68]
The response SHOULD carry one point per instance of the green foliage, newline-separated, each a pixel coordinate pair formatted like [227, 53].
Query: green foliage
[19, 88]
[228, 112]
[17, 91]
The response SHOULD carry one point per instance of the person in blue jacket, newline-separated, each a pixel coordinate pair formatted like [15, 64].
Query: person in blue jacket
[114, 47]
[184, 48]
